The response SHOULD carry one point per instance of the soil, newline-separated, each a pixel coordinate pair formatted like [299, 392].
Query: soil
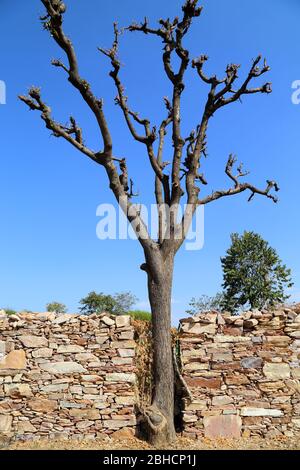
[180, 444]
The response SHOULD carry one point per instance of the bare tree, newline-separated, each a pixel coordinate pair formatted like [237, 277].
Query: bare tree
[184, 177]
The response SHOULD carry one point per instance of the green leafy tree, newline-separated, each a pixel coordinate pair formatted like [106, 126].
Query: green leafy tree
[253, 273]
[97, 303]
[205, 304]
[56, 307]
[117, 304]
[123, 302]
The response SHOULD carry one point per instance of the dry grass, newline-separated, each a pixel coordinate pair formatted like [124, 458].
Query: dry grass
[181, 444]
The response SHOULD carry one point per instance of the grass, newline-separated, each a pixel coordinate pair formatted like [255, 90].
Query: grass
[140, 315]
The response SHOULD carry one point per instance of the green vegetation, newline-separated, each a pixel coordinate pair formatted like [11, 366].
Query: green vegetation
[254, 276]
[56, 307]
[205, 304]
[118, 304]
[140, 315]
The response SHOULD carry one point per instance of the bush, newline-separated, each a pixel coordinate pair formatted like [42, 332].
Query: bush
[9, 311]
[56, 307]
[140, 315]
[117, 304]
[205, 304]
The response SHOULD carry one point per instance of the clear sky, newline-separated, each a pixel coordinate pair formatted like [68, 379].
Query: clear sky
[49, 192]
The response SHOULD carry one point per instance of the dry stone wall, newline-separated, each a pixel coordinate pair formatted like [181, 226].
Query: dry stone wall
[242, 373]
[66, 376]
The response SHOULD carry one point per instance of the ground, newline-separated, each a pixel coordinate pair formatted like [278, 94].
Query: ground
[181, 444]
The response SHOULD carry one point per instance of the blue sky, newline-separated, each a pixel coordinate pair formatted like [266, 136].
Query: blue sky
[50, 192]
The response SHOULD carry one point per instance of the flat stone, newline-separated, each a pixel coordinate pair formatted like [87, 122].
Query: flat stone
[84, 424]
[126, 352]
[66, 317]
[54, 388]
[70, 404]
[91, 378]
[16, 390]
[123, 344]
[295, 334]
[247, 411]
[25, 426]
[125, 400]
[85, 357]
[123, 320]
[89, 414]
[278, 340]
[63, 367]
[42, 352]
[42, 405]
[30, 341]
[14, 360]
[232, 339]
[102, 339]
[277, 371]
[296, 373]
[201, 382]
[116, 424]
[120, 377]
[252, 363]
[193, 366]
[200, 329]
[222, 426]
[123, 433]
[5, 423]
[221, 400]
[108, 321]
[250, 323]
[69, 349]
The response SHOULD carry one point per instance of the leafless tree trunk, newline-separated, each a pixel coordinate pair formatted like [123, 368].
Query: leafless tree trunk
[169, 188]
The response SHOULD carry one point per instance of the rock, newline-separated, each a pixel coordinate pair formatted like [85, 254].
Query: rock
[69, 349]
[5, 423]
[66, 317]
[232, 339]
[125, 400]
[222, 426]
[201, 382]
[126, 352]
[220, 319]
[13, 318]
[129, 344]
[63, 367]
[296, 373]
[252, 363]
[15, 359]
[250, 323]
[120, 377]
[123, 434]
[200, 329]
[102, 339]
[116, 424]
[277, 371]
[88, 414]
[17, 390]
[193, 366]
[84, 424]
[108, 321]
[236, 379]
[91, 378]
[278, 340]
[295, 334]
[85, 357]
[221, 400]
[42, 405]
[123, 320]
[43, 352]
[53, 388]
[25, 426]
[261, 412]
[30, 341]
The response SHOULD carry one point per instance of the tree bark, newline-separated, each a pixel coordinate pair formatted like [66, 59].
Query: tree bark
[160, 415]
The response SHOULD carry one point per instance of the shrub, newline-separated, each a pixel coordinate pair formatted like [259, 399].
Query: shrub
[56, 307]
[140, 315]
